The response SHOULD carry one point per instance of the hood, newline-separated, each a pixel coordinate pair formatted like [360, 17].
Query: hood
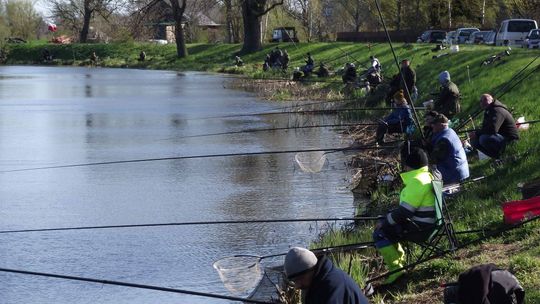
[498, 104]
[444, 77]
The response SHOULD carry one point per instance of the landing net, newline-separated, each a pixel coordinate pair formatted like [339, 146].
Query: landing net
[239, 274]
[311, 162]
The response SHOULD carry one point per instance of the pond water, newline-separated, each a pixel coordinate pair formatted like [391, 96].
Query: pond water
[60, 116]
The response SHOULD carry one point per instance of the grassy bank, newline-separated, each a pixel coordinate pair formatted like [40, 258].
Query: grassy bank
[476, 208]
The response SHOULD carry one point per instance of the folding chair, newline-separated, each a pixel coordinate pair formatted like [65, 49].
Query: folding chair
[443, 231]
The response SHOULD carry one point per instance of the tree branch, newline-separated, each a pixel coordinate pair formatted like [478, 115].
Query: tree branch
[271, 7]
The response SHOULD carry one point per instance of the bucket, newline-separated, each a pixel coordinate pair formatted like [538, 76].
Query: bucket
[454, 48]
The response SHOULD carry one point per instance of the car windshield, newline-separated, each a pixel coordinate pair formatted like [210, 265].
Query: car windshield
[438, 35]
[521, 26]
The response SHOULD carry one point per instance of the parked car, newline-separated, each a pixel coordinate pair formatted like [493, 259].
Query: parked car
[284, 34]
[489, 39]
[514, 31]
[532, 40]
[432, 36]
[462, 34]
[450, 37]
[478, 37]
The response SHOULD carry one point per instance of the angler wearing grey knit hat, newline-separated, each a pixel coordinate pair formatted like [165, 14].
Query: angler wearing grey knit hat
[299, 261]
[320, 280]
[448, 102]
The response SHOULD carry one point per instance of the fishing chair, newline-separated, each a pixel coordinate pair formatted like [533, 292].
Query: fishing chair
[443, 237]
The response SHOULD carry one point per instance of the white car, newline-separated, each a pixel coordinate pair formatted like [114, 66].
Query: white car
[514, 31]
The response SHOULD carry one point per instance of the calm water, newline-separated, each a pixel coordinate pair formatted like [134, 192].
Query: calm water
[57, 116]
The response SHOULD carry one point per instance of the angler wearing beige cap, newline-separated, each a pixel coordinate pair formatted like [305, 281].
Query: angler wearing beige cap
[321, 281]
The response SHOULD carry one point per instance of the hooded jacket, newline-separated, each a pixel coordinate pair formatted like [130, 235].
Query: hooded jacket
[498, 120]
[331, 285]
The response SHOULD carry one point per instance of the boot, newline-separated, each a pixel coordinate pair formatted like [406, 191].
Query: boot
[394, 258]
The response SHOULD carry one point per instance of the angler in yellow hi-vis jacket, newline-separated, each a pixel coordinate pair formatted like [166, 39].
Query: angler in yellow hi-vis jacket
[415, 217]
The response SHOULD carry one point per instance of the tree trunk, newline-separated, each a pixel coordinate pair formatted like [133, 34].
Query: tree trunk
[252, 28]
[87, 17]
[398, 16]
[449, 14]
[229, 21]
[178, 14]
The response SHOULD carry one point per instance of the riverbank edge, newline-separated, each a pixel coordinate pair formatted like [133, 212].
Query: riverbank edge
[518, 251]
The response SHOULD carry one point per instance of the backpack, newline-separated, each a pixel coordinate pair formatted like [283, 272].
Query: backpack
[485, 284]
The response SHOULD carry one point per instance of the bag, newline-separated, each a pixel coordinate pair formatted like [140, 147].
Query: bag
[485, 284]
[517, 211]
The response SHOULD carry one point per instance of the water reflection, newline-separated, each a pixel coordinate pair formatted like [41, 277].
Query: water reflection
[130, 114]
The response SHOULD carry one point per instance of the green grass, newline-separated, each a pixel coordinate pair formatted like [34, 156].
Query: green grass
[477, 207]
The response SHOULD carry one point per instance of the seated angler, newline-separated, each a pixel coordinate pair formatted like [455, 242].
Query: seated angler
[310, 65]
[498, 128]
[415, 217]
[238, 61]
[142, 56]
[448, 101]
[350, 73]
[323, 71]
[398, 121]
[446, 152]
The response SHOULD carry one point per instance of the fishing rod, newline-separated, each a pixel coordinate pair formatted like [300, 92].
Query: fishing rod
[276, 129]
[202, 156]
[490, 234]
[132, 285]
[517, 78]
[408, 94]
[517, 123]
[291, 220]
[333, 111]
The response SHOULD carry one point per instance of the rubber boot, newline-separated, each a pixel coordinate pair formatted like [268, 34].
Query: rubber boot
[393, 256]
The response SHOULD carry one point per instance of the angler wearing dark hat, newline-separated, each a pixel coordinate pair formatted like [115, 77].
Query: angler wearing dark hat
[398, 121]
[415, 217]
[446, 152]
[322, 282]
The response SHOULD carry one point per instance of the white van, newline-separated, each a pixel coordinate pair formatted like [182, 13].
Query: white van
[514, 31]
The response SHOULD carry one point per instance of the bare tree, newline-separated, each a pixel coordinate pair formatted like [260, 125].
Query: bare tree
[78, 14]
[252, 12]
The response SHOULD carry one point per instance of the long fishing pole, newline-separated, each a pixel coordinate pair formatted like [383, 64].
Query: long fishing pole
[531, 122]
[290, 220]
[490, 234]
[314, 112]
[132, 285]
[408, 94]
[373, 147]
[517, 78]
[276, 129]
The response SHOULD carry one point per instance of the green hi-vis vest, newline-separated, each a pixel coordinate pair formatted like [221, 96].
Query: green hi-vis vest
[418, 196]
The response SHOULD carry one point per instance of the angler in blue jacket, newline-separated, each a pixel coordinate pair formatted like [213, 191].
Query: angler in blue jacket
[398, 121]
[447, 153]
[321, 281]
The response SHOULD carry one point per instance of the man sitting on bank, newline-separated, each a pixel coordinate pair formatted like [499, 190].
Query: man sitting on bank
[498, 128]
[415, 217]
[446, 152]
[322, 282]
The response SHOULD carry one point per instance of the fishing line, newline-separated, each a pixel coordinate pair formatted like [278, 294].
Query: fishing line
[328, 112]
[517, 78]
[490, 234]
[275, 129]
[373, 147]
[132, 285]
[417, 120]
[531, 122]
[292, 220]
